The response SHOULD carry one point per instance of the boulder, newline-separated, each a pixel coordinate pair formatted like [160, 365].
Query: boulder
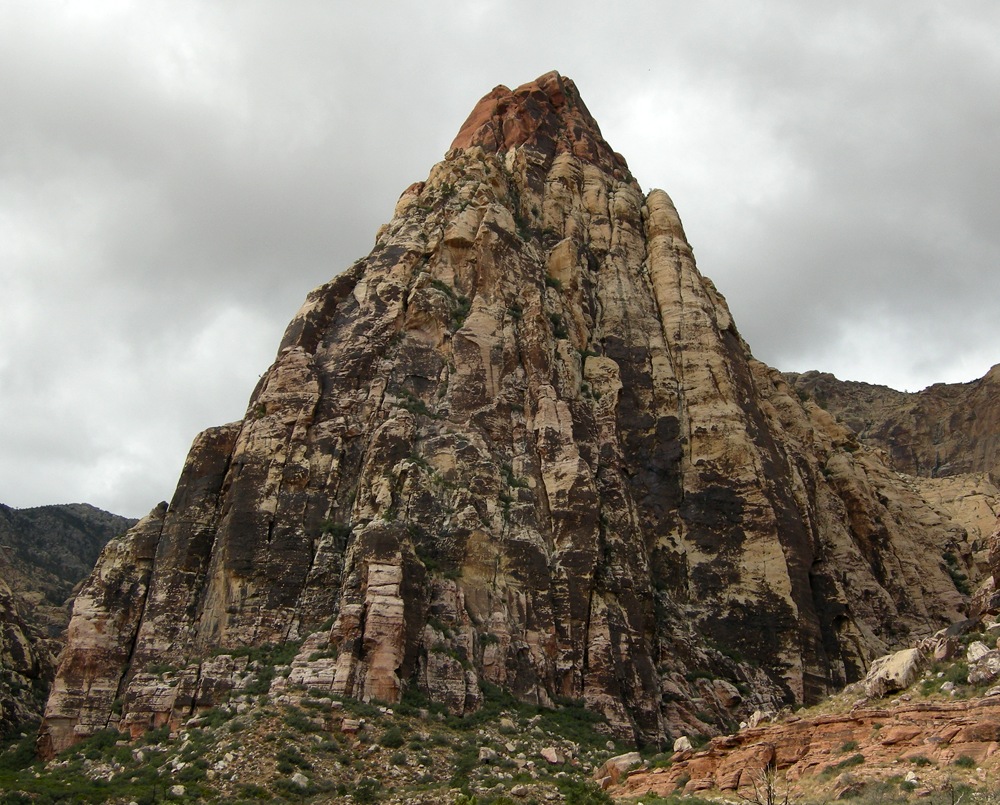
[985, 669]
[614, 768]
[976, 650]
[892, 672]
[552, 755]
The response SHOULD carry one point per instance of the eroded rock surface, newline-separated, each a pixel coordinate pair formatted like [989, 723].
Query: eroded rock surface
[521, 443]
[946, 429]
[935, 733]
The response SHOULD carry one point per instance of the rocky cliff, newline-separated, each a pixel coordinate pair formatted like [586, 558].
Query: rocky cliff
[44, 553]
[946, 429]
[520, 443]
[946, 437]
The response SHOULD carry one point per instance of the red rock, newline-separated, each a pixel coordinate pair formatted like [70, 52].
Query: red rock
[940, 731]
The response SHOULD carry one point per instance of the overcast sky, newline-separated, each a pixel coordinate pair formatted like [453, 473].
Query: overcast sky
[176, 176]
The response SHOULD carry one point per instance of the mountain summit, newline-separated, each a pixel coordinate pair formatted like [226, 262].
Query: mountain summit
[548, 116]
[520, 444]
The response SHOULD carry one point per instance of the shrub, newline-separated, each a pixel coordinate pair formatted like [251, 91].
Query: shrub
[393, 738]
[367, 791]
[831, 771]
[957, 672]
[964, 762]
[558, 326]
[292, 757]
[299, 721]
[97, 744]
[20, 755]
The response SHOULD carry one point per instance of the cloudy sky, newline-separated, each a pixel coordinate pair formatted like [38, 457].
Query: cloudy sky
[176, 176]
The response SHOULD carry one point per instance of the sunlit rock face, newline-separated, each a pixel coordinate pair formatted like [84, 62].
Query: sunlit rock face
[522, 443]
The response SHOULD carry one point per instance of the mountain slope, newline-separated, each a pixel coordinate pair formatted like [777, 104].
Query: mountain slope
[946, 429]
[520, 443]
[44, 553]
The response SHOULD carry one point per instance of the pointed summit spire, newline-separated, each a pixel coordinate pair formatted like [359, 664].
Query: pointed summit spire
[546, 114]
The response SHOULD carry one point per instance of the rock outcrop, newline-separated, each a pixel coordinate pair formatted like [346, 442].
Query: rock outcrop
[520, 443]
[869, 741]
[44, 553]
[946, 429]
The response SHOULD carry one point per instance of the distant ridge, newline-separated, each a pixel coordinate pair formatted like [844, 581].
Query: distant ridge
[45, 552]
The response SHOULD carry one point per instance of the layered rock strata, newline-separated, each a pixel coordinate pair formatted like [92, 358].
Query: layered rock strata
[929, 733]
[520, 443]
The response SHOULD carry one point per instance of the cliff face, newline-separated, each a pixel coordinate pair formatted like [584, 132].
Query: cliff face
[44, 553]
[946, 429]
[521, 442]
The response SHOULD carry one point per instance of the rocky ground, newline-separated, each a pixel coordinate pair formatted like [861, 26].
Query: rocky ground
[926, 728]
[933, 740]
[306, 745]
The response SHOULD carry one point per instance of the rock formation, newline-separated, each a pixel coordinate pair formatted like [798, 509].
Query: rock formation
[44, 553]
[946, 437]
[880, 738]
[939, 718]
[520, 443]
[946, 429]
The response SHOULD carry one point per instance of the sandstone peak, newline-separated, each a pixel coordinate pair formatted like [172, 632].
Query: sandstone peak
[520, 444]
[546, 114]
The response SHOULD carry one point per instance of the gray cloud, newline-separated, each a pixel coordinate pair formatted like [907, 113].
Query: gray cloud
[175, 177]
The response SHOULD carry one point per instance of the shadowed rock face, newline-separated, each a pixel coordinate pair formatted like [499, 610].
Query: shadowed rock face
[521, 442]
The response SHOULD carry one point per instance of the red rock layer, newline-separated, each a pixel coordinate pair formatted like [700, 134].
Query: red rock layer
[939, 732]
